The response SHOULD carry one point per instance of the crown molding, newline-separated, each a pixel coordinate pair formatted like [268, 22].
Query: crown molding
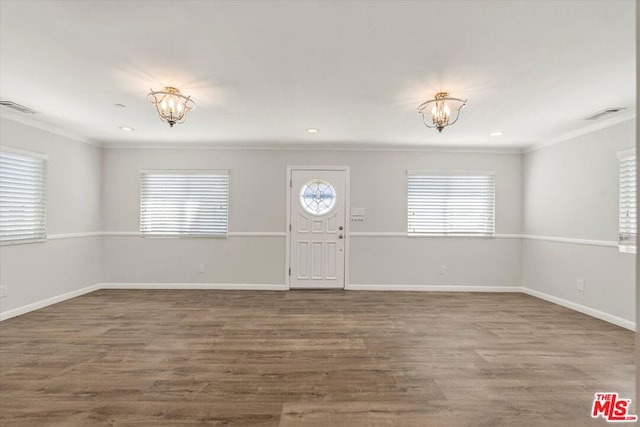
[317, 147]
[24, 119]
[599, 125]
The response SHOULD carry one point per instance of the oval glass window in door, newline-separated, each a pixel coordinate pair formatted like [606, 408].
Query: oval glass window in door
[318, 196]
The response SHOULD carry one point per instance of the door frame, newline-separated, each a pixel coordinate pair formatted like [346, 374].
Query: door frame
[347, 218]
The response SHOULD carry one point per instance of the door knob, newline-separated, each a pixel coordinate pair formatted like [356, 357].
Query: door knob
[340, 228]
[340, 236]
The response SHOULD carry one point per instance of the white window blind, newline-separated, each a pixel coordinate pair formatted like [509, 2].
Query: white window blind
[627, 238]
[451, 203]
[184, 203]
[22, 197]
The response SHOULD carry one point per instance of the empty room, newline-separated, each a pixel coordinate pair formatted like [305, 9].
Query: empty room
[318, 213]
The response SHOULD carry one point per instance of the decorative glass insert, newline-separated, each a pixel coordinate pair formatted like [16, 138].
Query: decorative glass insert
[318, 196]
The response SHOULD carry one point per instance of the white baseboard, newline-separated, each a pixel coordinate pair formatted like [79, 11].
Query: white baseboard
[354, 287]
[619, 321]
[432, 288]
[46, 302]
[213, 286]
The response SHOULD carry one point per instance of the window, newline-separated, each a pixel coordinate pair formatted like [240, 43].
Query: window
[627, 201]
[184, 203]
[451, 203]
[22, 196]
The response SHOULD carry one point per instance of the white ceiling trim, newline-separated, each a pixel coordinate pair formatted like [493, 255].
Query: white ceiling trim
[599, 125]
[317, 147]
[35, 123]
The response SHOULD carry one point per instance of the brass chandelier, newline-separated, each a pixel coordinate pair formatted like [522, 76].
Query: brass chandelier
[172, 106]
[444, 111]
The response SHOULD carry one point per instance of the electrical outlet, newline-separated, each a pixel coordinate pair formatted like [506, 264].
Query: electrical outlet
[580, 285]
[3, 291]
[201, 268]
[443, 269]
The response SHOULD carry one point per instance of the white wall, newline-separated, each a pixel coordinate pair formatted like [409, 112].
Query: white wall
[37, 271]
[571, 191]
[258, 204]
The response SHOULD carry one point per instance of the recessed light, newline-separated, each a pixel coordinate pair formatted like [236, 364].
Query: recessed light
[312, 130]
[119, 105]
[498, 133]
[126, 128]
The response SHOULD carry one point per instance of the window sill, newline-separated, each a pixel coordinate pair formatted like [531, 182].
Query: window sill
[21, 242]
[627, 249]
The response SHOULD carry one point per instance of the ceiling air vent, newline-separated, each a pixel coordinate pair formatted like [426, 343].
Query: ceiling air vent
[17, 107]
[604, 113]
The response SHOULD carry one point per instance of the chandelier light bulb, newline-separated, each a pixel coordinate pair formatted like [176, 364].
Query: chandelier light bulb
[441, 112]
[172, 106]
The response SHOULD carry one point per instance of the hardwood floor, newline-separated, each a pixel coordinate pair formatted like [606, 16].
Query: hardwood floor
[308, 358]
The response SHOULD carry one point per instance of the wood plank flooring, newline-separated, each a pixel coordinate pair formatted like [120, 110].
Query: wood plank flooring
[308, 358]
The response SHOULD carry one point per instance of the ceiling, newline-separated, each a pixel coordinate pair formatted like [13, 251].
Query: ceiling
[262, 72]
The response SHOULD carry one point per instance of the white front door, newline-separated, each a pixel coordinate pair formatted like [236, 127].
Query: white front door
[317, 230]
